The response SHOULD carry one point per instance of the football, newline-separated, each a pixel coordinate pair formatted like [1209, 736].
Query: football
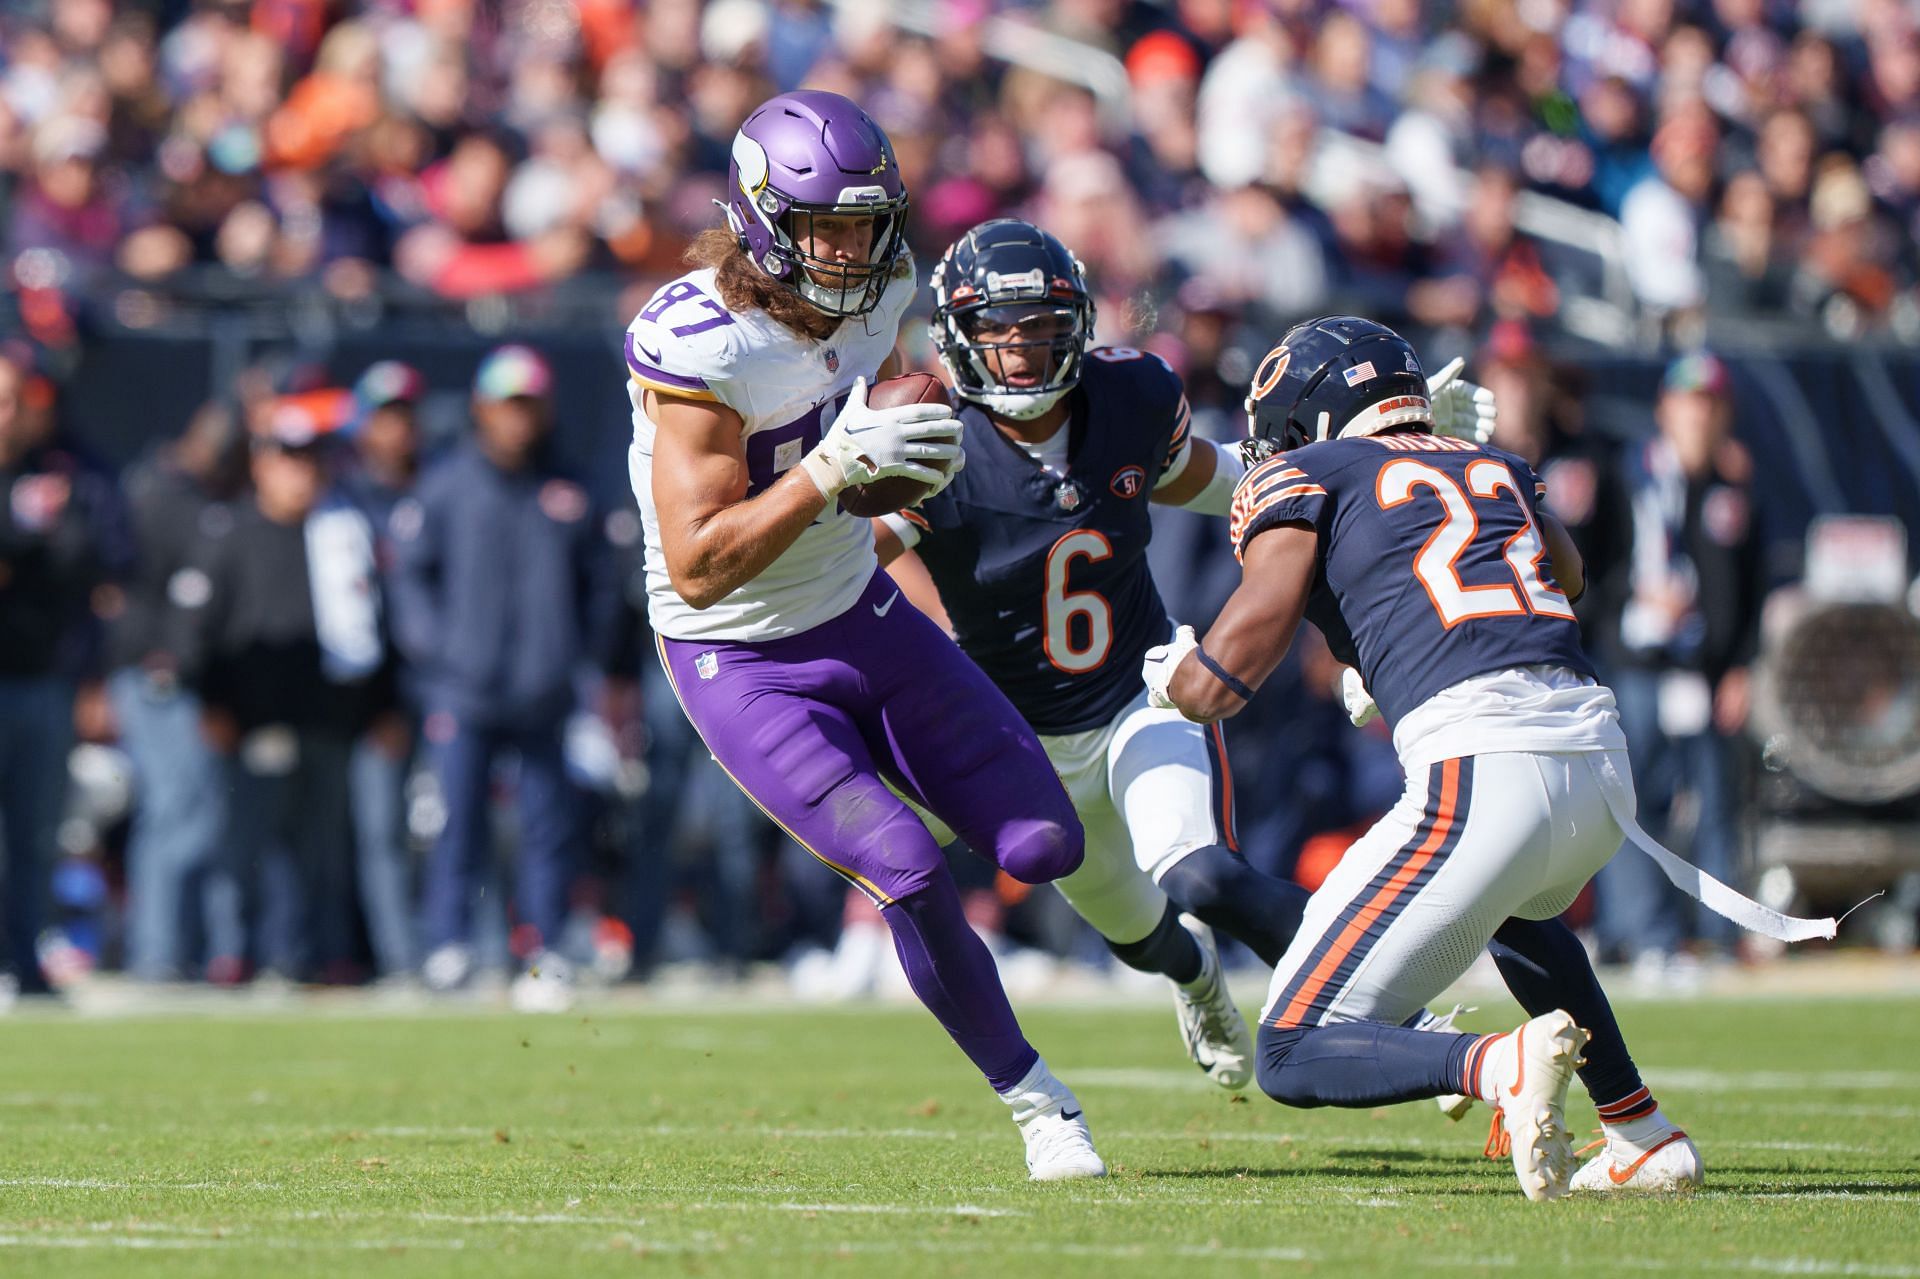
[883, 497]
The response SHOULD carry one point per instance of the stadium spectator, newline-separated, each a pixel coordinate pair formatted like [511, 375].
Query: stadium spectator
[503, 589]
[1663, 214]
[381, 473]
[1746, 268]
[1688, 631]
[274, 625]
[1855, 262]
[175, 495]
[56, 540]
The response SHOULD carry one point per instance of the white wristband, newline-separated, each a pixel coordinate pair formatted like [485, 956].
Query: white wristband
[825, 475]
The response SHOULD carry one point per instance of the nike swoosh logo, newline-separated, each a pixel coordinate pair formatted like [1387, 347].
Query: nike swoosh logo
[880, 610]
[1520, 1054]
[652, 357]
[1621, 1176]
[1072, 1114]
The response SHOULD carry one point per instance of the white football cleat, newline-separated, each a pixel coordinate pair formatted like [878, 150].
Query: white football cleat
[447, 968]
[1060, 1148]
[1453, 1105]
[1530, 1070]
[545, 987]
[1052, 1123]
[1217, 1037]
[1663, 1162]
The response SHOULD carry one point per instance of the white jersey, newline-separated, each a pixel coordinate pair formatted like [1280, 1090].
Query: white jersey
[786, 389]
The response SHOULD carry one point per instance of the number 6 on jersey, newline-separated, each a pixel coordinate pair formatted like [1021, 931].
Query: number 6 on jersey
[1061, 606]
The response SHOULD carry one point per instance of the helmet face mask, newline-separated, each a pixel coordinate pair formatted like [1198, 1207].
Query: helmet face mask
[1333, 377]
[805, 156]
[1008, 289]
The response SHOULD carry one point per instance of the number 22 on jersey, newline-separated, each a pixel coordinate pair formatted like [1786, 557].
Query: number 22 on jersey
[1437, 563]
[1060, 606]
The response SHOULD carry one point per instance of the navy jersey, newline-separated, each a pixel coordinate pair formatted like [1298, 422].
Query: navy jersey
[1431, 568]
[1046, 580]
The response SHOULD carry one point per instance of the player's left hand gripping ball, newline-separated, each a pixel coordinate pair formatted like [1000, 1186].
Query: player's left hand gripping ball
[1462, 409]
[1162, 660]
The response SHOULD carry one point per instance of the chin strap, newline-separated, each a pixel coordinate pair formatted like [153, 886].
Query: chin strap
[1019, 408]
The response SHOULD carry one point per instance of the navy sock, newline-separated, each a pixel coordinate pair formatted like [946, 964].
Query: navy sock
[952, 972]
[1546, 967]
[1218, 887]
[1169, 950]
[1359, 1063]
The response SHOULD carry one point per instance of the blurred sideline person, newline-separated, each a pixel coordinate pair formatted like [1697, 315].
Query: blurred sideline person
[813, 683]
[276, 628]
[382, 472]
[1689, 629]
[176, 908]
[1429, 565]
[501, 583]
[55, 515]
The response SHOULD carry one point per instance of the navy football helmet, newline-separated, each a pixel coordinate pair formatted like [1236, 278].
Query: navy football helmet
[1334, 376]
[1006, 273]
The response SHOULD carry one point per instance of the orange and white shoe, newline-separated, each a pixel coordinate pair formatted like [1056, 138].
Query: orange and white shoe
[1656, 1159]
[1525, 1074]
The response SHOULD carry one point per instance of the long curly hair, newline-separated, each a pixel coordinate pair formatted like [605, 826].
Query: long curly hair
[744, 286]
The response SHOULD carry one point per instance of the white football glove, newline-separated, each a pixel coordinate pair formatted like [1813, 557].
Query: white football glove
[864, 445]
[1161, 662]
[1462, 409]
[949, 475]
[1361, 708]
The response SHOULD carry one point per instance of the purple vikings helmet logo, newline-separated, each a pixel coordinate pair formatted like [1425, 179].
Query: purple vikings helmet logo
[810, 154]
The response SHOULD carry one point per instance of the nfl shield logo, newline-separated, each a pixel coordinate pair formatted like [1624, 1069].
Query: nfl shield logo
[833, 360]
[707, 664]
[1066, 495]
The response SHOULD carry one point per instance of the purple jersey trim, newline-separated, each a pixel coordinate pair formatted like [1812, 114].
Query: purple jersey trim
[649, 372]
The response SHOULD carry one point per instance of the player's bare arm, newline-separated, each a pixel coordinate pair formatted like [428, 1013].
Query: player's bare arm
[1202, 464]
[1254, 630]
[716, 539]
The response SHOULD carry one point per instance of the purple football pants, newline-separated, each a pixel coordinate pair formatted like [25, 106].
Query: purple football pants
[813, 726]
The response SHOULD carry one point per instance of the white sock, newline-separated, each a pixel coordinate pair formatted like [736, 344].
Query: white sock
[1490, 1063]
[1642, 1133]
[1038, 1093]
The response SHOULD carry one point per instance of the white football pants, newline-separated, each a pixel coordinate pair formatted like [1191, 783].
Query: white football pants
[1150, 787]
[1471, 843]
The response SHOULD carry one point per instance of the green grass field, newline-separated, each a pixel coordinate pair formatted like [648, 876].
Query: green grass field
[858, 1142]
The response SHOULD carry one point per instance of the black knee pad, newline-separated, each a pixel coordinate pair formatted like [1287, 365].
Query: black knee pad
[1205, 880]
[1272, 1047]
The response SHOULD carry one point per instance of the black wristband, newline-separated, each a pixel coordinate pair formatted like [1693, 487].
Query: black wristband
[1224, 675]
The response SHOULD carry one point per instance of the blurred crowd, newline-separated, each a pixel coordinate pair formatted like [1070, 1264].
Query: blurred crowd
[1758, 157]
[305, 692]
